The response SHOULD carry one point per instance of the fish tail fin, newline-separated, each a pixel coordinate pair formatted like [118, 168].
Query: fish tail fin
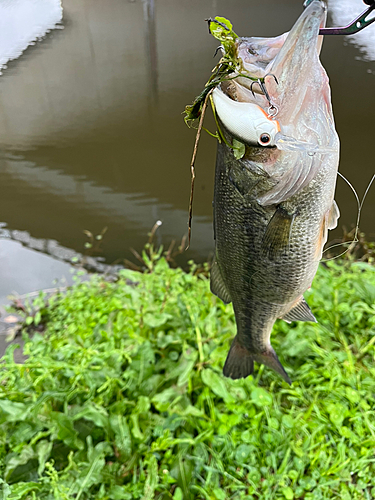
[270, 359]
[240, 362]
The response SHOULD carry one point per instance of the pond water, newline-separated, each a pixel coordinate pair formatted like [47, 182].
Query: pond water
[91, 131]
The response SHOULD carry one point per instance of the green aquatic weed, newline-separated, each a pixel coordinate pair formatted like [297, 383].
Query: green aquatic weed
[229, 67]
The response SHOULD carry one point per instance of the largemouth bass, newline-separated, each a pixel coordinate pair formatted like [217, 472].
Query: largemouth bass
[273, 207]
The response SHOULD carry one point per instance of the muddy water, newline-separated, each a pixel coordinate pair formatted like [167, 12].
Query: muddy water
[91, 132]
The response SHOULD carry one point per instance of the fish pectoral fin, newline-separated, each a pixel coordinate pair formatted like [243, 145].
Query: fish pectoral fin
[277, 235]
[332, 216]
[299, 312]
[217, 284]
[240, 361]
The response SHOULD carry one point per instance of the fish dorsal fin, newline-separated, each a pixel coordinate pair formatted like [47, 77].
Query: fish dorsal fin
[217, 284]
[299, 312]
[333, 215]
[277, 235]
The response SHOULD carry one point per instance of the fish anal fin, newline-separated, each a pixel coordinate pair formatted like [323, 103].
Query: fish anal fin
[333, 216]
[300, 311]
[322, 238]
[217, 284]
[277, 235]
[240, 362]
[329, 222]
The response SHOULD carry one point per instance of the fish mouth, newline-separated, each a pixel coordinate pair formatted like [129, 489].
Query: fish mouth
[296, 85]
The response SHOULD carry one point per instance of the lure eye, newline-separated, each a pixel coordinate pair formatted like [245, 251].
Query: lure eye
[265, 139]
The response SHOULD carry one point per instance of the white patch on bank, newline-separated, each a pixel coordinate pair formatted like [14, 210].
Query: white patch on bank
[23, 22]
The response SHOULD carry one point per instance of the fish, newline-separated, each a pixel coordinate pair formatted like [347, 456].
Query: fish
[274, 206]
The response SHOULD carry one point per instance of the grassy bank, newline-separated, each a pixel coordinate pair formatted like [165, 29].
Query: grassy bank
[122, 396]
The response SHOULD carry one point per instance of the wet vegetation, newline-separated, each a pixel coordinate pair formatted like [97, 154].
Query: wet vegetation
[122, 394]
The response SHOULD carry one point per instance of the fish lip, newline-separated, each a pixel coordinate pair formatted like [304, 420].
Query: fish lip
[303, 38]
[302, 45]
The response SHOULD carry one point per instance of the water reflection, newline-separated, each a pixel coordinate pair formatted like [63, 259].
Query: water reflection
[91, 132]
[23, 22]
[77, 196]
[343, 12]
[150, 37]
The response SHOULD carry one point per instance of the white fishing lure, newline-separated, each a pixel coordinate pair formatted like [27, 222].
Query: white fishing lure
[245, 120]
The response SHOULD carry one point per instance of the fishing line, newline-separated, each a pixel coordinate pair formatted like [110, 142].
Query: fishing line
[360, 206]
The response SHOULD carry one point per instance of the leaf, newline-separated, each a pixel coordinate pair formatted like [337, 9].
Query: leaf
[261, 397]
[37, 318]
[19, 490]
[193, 411]
[43, 452]
[222, 30]
[144, 362]
[119, 493]
[288, 421]
[219, 494]
[152, 479]
[98, 415]
[239, 149]
[337, 413]
[23, 432]
[243, 452]
[225, 21]
[5, 490]
[163, 400]
[143, 404]
[156, 320]
[136, 431]
[92, 474]
[123, 439]
[65, 430]
[17, 459]
[183, 369]
[217, 384]
[182, 471]
[178, 494]
[352, 395]
[11, 411]
[288, 493]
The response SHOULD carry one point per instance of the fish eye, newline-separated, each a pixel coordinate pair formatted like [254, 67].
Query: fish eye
[265, 139]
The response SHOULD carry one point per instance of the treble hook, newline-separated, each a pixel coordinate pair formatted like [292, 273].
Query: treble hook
[220, 47]
[272, 109]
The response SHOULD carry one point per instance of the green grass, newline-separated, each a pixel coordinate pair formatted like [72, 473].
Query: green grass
[122, 396]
